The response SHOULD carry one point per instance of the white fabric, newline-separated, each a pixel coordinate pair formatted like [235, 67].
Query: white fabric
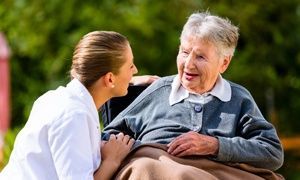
[60, 140]
[221, 90]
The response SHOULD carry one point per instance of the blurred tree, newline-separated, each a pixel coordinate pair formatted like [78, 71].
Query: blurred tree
[43, 35]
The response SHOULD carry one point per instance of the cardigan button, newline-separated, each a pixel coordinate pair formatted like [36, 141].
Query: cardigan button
[196, 128]
[198, 108]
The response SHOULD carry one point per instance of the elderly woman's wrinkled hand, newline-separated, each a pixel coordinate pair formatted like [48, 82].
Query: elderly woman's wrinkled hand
[193, 143]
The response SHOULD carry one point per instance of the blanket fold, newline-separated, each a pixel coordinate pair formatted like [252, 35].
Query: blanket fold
[151, 161]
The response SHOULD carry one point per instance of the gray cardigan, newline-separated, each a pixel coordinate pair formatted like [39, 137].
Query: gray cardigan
[243, 133]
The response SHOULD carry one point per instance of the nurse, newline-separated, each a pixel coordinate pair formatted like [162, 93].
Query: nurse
[61, 139]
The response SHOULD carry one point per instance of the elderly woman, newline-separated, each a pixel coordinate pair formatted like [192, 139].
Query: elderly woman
[198, 112]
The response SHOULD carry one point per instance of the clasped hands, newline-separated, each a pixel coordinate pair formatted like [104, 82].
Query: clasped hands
[190, 143]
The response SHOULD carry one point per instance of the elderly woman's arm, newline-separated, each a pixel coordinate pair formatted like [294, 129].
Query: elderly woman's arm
[143, 79]
[263, 149]
[258, 144]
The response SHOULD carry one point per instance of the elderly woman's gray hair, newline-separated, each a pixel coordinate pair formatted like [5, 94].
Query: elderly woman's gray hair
[221, 32]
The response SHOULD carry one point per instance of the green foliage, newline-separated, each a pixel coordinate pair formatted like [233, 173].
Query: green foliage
[9, 140]
[290, 168]
[42, 35]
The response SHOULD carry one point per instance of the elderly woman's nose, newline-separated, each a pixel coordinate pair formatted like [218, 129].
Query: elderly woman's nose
[189, 61]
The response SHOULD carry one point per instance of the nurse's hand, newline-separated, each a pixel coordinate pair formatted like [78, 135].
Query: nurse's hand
[113, 152]
[116, 148]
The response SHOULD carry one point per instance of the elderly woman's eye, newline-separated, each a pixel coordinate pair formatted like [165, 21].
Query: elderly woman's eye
[185, 53]
[200, 57]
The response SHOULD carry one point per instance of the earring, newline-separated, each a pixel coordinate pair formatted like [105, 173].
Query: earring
[112, 86]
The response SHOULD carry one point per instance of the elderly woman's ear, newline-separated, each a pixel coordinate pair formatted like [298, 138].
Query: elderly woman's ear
[225, 63]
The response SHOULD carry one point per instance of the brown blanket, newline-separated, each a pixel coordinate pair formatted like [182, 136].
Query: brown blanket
[151, 161]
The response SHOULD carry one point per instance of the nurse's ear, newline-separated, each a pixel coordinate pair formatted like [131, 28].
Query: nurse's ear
[109, 80]
[225, 63]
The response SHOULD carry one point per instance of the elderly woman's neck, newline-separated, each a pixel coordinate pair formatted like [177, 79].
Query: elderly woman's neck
[201, 89]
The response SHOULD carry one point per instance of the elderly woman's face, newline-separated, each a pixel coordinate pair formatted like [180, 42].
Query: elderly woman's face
[199, 65]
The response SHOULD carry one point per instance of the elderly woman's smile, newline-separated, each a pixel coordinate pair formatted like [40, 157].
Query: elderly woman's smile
[190, 76]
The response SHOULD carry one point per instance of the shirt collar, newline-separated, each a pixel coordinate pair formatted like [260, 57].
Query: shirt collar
[80, 91]
[221, 90]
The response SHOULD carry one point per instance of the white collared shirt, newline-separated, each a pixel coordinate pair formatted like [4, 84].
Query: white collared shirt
[221, 90]
[60, 140]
